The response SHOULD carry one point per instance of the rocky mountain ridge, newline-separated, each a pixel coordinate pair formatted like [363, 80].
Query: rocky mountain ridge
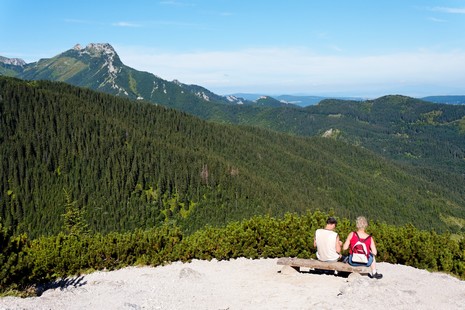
[99, 67]
[12, 61]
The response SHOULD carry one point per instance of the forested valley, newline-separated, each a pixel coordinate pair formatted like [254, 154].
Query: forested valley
[131, 170]
[136, 165]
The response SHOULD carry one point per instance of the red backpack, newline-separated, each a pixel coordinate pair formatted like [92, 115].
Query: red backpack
[360, 251]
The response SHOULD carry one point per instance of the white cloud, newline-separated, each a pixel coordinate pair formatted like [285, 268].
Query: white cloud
[176, 3]
[449, 10]
[301, 70]
[126, 24]
[90, 22]
[437, 20]
[80, 21]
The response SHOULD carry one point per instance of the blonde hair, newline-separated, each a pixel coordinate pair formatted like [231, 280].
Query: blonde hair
[361, 222]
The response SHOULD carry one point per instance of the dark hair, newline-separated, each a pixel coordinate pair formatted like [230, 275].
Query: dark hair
[331, 220]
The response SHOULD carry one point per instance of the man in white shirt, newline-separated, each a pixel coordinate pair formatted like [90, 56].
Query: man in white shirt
[327, 242]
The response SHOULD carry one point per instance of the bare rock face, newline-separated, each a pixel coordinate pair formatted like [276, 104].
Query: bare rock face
[12, 61]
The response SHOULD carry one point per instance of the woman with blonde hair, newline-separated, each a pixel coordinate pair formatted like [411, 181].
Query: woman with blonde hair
[361, 240]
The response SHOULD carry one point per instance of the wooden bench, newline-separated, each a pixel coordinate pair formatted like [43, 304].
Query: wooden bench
[297, 263]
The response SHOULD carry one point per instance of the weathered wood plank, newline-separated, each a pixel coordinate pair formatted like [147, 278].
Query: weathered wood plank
[316, 264]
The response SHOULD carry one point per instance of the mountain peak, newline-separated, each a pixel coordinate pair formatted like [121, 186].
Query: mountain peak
[12, 61]
[96, 49]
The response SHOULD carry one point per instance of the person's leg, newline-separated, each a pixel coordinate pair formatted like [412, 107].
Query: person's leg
[372, 264]
[374, 272]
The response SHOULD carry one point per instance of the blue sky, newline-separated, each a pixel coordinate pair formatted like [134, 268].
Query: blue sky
[352, 48]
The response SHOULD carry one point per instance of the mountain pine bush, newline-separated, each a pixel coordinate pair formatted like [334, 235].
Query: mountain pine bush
[29, 262]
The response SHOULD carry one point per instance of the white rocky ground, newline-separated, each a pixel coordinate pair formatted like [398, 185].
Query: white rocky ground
[247, 284]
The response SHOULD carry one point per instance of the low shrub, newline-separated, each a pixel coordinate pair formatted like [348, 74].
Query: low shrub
[26, 262]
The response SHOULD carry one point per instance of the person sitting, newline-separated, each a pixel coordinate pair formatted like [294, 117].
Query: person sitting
[327, 242]
[363, 237]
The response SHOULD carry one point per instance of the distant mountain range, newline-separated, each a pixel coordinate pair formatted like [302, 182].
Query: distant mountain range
[300, 100]
[307, 100]
[445, 99]
[425, 138]
[97, 66]
[384, 125]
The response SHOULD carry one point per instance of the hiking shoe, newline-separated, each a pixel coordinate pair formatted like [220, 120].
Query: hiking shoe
[376, 276]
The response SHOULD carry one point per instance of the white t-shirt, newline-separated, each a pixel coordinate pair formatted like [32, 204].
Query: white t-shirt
[326, 245]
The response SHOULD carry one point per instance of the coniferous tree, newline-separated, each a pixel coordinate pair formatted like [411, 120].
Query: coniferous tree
[73, 218]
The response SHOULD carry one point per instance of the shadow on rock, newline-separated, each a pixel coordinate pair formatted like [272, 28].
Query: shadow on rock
[62, 284]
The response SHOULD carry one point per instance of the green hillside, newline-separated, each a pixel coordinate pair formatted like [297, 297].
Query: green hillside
[414, 132]
[98, 67]
[402, 128]
[131, 164]
[411, 131]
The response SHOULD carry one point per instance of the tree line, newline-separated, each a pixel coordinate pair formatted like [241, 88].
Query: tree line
[135, 165]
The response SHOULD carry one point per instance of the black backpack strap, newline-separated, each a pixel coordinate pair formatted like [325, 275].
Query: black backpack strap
[369, 236]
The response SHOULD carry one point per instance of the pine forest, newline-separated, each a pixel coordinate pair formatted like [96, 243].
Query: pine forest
[82, 169]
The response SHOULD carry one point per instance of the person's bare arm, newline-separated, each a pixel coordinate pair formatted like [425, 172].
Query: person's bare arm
[373, 247]
[347, 243]
[338, 244]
